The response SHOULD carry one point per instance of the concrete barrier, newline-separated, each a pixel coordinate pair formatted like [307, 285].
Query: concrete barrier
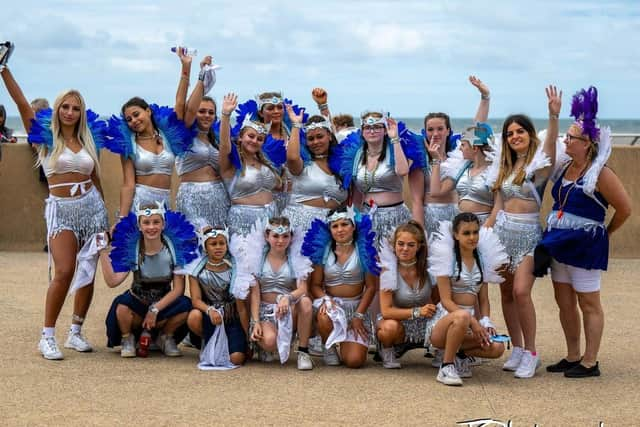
[22, 197]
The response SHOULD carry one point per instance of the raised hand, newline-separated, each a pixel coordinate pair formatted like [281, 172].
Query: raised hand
[392, 128]
[555, 100]
[483, 88]
[207, 60]
[433, 148]
[319, 95]
[295, 118]
[229, 103]
[184, 59]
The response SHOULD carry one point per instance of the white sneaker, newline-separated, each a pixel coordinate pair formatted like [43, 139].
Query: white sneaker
[304, 361]
[331, 357]
[514, 360]
[463, 366]
[389, 360]
[77, 342]
[475, 361]
[437, 358]
[315, 346]
[169, 347]
[528, 365]
[449, 375]
[128, 346]
[48, 346]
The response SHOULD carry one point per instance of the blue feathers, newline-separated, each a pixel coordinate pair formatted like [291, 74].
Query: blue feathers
[248, 108]
[98, 129]
[275, 150]
[412, 146]
[454, 140]
[234, 158]
[124, 255]
[119, 139]
[584, 108]
[182, 236]
[40, 132]
[296, 109]
[344, 155]
[316, 242]
[365, 244]
[305, 154]
[174, 130]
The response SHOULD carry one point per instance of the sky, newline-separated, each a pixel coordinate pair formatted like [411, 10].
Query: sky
[406, 57]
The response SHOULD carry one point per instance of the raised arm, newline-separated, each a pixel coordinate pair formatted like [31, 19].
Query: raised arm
[229, 103]
[555, 102]
[294, 161]
[24, 108]
[437, 185]
[402, 165]
[482, 114]
[183, 83]
[196, 95]
[320, 96]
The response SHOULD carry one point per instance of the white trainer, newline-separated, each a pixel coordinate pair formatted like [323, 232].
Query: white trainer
[528, 365]
[463, 366]
[449, 375]
[389, 360]
[331, 357]
[169, 347]
[128, 346]
[304, 361]
[437, 358]
[514, 359]
[315, 346]
[48, 346]
[78, 342]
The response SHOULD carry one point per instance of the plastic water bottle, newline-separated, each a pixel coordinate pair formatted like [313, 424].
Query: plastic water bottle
[144, 343]
[186, 51]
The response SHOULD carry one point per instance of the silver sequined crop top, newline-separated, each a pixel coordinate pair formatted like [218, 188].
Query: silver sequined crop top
[526, 191]
[214, 286]
[68, 161]
[252, 182]
[202, 154]
[382, 179]
[407, 297]
[282, 281]
[474, 188]
[349, 273]
[314, 183]
[469, 282]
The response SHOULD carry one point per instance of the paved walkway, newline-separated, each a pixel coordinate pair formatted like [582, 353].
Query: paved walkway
[103, 389]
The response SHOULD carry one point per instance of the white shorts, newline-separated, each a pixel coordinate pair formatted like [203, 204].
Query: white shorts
[582, 280]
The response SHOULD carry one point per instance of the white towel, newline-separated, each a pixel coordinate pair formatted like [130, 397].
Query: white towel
[215, 355]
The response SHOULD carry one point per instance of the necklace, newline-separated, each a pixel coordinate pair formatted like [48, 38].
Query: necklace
[408, 264]
[563, 202]
[155, 135]
[521, 156]
[320, 156]
[373, 153]
[217, 264]
[345, 243]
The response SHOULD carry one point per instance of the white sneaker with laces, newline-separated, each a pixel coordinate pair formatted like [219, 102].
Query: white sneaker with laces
[463, 366]
[169, 347]
[78, 342]
[528, 365]
[449, 375]
[48, 346]
[304, 361]
[389, 360]
[128, 346]
[437, 358]
[316, 348]
[514, 359]
[331, 357]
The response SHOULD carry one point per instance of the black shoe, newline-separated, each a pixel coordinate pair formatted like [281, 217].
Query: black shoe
[563, 366]
[582, 372]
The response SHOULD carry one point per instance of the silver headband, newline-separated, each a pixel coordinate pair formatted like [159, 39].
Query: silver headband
[275, 99]
[367, 118]
[325, 124]
[350, 214]
[262, 128]
[278, 229]
[159, 210]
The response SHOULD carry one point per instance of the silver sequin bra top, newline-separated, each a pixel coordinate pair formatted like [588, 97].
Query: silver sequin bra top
[315, 183]
[349, 273]
[252, 182]
[153, 278]
[468, 282]
[282, 281]
[148, 163]
[407, 297]
[382, 179]
[68, 161]
[474, 188]
[215, 286]
[202, 154]
[509, 190]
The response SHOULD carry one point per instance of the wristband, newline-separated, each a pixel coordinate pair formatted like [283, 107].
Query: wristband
[209, 309]
[435, 162]
[395, 140]
[324, 106]
[486, 323]
[554, 116]
[153, 309]
[279, 298]
[201, 75]
[226, 114]
[415, 313]
[297, 125]
[358, 315]
[485, 97]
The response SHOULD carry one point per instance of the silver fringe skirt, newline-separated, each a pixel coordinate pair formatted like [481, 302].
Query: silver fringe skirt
[85, 215]
[386, 219]
[301, 215]
[241, 218]
[145, 195]
[203, 203]
[281, 199]
[520, 234]
[436, 212]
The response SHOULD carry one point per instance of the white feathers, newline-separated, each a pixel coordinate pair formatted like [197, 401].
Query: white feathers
[604, 151]
[247, 252]
[301, 264]
[389, 265]
[494, 168]
[441, 251]
[539, 161]
[455, 161]
[492, 255]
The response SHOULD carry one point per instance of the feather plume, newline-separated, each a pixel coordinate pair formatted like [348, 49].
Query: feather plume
[441, 251]
[241, 278]
[316, 242]
[454, 163]
[389, 266]
[604, 151]
[40, 132]
[493, 169]
[539, 161]
[296, 109]
[305, 154]
[125, 243]
[365, 244]
[178, 136]
[344, 156]
[301, 264]
[412, 146]
[119, 139]
[492, 255]
[584, 108]
[275, 150]
[98, 129]
[248, 108]
[182, 236]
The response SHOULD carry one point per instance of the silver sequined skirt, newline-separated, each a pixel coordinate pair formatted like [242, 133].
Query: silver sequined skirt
[302, 215]
[386, 219]
[281, 199]
[203, 203]
[241, 218]
[436, 212]
[145, 195]
[85, 215]
[520, 234]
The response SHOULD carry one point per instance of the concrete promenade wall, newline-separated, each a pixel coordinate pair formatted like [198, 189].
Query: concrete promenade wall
[22, 198]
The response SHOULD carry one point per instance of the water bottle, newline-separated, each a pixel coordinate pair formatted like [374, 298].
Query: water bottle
[144, 343]
[186, 51]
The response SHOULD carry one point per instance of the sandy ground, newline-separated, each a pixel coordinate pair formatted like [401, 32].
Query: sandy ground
[102, 389]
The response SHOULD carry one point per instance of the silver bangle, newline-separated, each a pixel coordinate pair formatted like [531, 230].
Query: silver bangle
[395, 140]
[297, 125]
[226, 114]
[279, 298]
[554, 116]
[324, 106]
[358, 315]
[485, 97]
[435, 162]
[415, 313]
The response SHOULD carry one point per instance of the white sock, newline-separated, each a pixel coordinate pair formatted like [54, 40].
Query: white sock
[75, 329]
[48, 332]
